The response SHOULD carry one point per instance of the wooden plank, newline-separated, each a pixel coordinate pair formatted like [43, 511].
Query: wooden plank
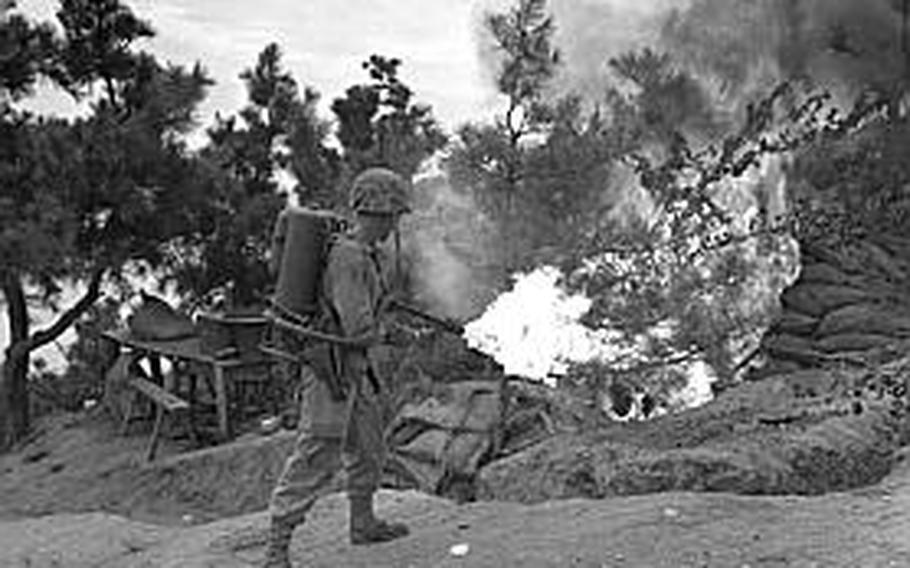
[221, 400]
[169, 401]
[156, 431]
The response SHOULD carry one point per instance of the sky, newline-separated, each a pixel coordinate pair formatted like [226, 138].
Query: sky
[324, 43]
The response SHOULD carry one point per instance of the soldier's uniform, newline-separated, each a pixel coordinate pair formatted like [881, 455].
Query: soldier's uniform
[336, 432]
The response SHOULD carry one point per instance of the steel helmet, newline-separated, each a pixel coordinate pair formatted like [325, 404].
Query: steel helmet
[380, 190]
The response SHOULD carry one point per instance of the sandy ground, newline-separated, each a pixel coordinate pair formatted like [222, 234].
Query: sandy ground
[868, 527]
[80, 495]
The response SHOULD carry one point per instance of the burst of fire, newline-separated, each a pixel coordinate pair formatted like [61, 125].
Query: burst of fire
[533, 331]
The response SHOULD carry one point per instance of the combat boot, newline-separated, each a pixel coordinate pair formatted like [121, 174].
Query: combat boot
[366, 528]
[277, 552]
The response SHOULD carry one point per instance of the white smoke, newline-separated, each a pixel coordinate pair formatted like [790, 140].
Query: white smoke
[450, 245]
[588, 34]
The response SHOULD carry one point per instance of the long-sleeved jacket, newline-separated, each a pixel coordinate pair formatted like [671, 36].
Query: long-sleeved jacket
[355, 289]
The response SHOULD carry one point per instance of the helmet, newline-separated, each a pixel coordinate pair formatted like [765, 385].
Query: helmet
[380, 190]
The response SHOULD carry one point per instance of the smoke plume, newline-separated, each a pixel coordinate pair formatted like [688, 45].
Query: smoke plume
[588, 34]
[450, 247]
[737, 49]
[840, 45]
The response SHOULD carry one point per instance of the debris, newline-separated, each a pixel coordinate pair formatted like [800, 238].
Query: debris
[459, 550]
[269, 425]
[671, 512]
[36, 457]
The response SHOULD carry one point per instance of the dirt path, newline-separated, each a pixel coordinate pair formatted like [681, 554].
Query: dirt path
[862, 528]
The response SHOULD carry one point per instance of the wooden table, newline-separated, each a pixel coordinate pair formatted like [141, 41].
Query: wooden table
[187, 358]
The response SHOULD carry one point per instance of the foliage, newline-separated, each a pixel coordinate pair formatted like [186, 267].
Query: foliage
[277, 131]
[532, 164]
[379, 124]
[842, 44]
[88, 359]
[667, 100]
[692, 265]
[99, 35]
[82, 199]
[26, 51]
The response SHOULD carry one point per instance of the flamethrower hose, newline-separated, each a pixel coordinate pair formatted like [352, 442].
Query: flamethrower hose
[366, 340]
[295, 323]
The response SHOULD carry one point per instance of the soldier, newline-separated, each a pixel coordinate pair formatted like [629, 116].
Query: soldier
[346, 431]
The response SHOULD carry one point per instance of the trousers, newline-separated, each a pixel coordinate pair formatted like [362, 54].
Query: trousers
[331, 436]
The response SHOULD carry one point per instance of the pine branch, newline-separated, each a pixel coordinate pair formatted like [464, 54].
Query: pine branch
[69, 317]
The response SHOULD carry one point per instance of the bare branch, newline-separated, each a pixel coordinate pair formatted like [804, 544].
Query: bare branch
[45, 336]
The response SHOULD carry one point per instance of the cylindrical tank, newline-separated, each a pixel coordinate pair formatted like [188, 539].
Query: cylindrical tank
[298, 245]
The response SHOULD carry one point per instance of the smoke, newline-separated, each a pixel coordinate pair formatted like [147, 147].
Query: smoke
[450, 247]
[741, 47]
[738, 50]
[588, 34]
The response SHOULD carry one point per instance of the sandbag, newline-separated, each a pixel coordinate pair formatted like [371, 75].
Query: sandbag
[815, 299]
[848, 342]
[792, 348]
[865, 318]
[446, 435]
[795, 323]
[823, 272]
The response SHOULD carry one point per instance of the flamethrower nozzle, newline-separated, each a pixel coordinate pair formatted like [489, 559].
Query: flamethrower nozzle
[442, 323]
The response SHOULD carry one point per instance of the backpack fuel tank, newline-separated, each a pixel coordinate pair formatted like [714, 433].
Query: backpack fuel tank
[299, 243]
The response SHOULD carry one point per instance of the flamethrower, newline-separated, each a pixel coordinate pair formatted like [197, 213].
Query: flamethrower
[444, 324]
[299, 325]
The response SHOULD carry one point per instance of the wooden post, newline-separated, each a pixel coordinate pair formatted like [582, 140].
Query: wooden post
[221, 401]
[156, 430]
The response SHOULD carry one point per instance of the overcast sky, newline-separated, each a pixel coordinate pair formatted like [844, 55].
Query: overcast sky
[324, 42]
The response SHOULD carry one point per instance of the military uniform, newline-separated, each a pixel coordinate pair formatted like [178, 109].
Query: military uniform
[343, 427]
[336, 433]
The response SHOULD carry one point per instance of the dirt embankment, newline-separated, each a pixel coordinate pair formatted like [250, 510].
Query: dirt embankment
[804, 433]
[826, 443]
[861, 528]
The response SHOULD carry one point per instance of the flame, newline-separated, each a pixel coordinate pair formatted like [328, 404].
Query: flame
[533, 330]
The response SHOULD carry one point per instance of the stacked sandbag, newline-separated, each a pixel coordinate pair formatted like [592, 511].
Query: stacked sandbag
[445, 437]
[849, 301]
[445, 415]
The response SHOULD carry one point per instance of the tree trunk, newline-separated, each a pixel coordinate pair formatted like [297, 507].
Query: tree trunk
[14, 404]
[14, 400]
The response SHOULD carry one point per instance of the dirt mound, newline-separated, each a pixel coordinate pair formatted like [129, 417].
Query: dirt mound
[756, 439]
[77, 463]
[667, 530]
